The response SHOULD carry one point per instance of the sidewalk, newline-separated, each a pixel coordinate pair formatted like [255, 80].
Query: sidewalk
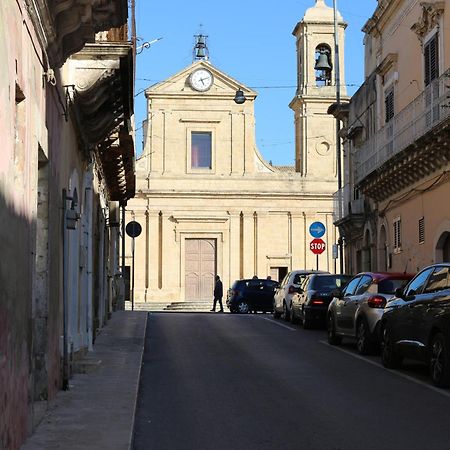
[97, 413]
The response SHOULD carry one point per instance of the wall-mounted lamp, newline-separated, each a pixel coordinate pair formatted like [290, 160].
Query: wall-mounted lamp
[239, 98]
[71, 216]
[146, 45]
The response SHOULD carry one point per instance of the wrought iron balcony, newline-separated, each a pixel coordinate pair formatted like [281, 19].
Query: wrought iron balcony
[345, 206]
[430, 109]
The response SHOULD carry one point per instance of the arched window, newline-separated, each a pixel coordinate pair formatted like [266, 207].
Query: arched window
[323, 66]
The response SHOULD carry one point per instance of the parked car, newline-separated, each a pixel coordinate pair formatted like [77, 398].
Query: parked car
[282, 304]
[251, 295]
[416, 323]
[310, 303]
[356, 311]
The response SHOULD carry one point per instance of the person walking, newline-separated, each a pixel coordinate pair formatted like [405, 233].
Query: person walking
[218, 294]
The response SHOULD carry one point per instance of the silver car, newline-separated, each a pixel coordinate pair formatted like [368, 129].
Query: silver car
[356, 311]
[282, 302]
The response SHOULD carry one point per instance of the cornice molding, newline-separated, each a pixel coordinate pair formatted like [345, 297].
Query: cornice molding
[65, 26]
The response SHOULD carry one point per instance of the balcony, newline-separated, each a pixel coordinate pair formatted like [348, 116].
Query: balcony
[348, 213]
[425, 113]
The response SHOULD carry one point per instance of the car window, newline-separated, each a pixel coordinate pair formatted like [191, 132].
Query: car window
[388, 286]
[255, 285]
[351, 287]
[270, 285]
[364, 284]
[326, 283]
[439, 280]
[298, 278]
[417, 284]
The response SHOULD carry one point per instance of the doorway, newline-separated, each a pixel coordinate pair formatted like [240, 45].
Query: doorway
[200, 259]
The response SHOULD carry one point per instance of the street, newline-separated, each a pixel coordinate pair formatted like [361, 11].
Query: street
[222, 381]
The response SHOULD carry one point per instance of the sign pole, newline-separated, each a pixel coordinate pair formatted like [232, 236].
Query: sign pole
[132, 277]
[317, 262]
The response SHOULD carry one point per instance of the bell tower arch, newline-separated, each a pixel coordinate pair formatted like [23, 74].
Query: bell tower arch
[315, 129]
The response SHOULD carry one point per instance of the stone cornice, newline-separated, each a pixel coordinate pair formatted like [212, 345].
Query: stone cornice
[64, 26]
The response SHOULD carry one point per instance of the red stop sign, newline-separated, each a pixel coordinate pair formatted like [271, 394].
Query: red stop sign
[317, 246]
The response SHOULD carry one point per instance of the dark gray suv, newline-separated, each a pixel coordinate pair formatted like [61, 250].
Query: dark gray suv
[251, 295]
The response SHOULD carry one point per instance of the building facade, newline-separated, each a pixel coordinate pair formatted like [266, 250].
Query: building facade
[393, 210]
[208, 202]
[67, 161]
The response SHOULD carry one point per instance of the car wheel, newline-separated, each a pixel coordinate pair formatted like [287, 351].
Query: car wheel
[285, 315]
[307, 323]
[294, 318]
[389, 355]
[243, 307]
[439, 361]
[363, 340]
[333, 338]
[276, 314]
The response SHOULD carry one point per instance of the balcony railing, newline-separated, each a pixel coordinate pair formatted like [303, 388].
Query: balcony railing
[344, 205]
[429, 109]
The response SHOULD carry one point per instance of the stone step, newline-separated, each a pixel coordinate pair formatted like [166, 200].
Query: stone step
[191, 306]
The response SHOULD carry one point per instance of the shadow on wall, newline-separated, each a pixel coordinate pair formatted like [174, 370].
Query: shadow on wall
[16, 266]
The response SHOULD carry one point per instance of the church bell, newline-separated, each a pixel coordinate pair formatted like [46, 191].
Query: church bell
[322, 62]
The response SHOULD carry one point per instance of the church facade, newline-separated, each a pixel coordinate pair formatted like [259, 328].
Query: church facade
[208, 202]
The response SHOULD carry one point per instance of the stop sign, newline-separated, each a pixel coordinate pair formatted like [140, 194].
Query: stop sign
[317, 246]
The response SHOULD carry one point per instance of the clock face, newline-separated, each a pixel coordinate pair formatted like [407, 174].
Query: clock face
[201, 80]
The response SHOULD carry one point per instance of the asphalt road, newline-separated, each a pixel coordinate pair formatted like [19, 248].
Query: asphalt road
[223, 381]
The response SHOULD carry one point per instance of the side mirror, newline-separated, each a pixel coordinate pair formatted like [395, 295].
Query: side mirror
[399, 293]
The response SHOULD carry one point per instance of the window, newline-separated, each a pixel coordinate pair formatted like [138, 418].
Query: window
[417, 284]
[388, 286]
[389, 105]
[366, 281]
[439, 280]
[421, 230]
[351, 287]
[201, 150]
[397, 235]
[431, 59]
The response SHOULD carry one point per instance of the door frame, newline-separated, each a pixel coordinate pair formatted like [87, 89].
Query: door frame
[218, 237]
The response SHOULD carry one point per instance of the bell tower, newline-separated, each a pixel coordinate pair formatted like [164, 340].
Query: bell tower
[315, 129]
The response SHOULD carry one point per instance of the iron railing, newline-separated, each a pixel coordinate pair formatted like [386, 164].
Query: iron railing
[430, 108]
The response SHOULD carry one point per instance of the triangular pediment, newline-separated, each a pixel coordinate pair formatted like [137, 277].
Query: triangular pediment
[179, 85]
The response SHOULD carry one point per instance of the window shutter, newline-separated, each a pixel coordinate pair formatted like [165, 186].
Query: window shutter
[421, 230]
[389, 105]
[431, 56]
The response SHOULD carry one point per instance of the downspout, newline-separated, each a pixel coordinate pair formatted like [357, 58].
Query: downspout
[65, 385]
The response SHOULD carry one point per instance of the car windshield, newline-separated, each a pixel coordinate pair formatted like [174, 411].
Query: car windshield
[388, 286]
[329, 283]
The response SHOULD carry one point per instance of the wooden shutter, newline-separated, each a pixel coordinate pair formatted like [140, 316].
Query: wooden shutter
[431, 60]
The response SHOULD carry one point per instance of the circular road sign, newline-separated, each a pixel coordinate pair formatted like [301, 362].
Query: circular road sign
[133, 229]
[317, 246]
[317, 229]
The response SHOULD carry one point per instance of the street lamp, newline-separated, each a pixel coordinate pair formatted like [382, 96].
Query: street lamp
[239, 98]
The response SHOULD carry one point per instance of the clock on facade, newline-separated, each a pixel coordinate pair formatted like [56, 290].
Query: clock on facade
[201, 80]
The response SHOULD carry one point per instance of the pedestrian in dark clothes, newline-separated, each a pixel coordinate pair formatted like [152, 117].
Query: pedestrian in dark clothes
[218, 294]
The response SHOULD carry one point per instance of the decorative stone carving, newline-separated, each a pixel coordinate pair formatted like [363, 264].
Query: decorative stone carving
[431, 13]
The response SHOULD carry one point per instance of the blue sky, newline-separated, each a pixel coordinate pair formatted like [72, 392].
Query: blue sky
[251, 41]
